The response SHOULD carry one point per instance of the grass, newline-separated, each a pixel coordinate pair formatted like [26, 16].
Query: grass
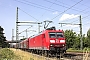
[7, 54]
[74, 50]
[23, 55]
[27, 56]
[17, 54]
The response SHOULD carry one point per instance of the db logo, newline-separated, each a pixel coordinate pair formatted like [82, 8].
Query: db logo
[57, 41]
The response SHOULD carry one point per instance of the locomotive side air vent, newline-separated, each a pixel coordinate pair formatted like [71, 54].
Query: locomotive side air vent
[51, 28]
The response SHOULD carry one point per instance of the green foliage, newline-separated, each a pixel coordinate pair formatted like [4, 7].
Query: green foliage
[70, 38]
[73, 39]
[6, 54]
[77, 41]
[71, 49]
[88, 38]
[88, 49]
[2, 39]
[31, 59]
[74, 50]
[88, 33]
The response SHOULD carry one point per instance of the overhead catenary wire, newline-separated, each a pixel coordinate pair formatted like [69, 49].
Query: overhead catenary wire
[65, 6]
[48, 8]
[67, 9]
[73, 9]
[48, 1]
[41, 5]
[82, 24]
[37, 6]
[88, 7]
[81, 4]
[84, 16]
[28, 14]
[68, 5]
[79, 10]
[60, 5]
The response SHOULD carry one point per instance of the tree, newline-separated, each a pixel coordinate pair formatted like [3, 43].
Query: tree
[73, 39]
[70, 38]
[2, 38]
[88, 38]
[76, 44]
[85, 41]
[88, 33]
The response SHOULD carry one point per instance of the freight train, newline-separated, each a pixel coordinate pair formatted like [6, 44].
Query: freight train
[49, 41]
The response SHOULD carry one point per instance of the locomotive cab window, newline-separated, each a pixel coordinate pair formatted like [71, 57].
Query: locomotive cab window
[55, 34]
[52, 35]
[59, 34]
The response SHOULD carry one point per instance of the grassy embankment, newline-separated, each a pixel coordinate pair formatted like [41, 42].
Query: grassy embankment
[17, 54]
[28, 56]
[6, 54]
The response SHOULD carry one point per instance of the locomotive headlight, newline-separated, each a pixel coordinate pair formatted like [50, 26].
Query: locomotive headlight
[62, 41]
[63, 45]
[51, 45]
[52, 41]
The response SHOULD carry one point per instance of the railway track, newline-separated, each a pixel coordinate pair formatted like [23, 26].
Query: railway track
[69, 56]
[66, 56]
[77, 56]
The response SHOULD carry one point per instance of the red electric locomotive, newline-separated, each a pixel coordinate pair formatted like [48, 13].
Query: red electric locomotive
[50, 40]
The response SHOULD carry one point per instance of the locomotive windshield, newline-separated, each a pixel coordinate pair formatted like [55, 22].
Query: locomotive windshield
[52, 35]
[59, 34]
[56, 34]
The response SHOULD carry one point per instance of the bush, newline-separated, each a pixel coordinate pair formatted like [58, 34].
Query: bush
[85, 49]
[71, 49]
[6, 54]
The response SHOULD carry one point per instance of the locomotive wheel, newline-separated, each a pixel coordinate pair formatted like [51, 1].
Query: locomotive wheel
[46, 53]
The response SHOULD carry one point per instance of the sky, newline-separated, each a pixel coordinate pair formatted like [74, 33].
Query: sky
[57, 11]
